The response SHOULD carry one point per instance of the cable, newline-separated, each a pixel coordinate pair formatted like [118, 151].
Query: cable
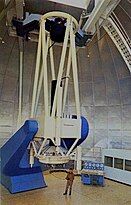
[85, 195]
[74, 189]
[51, 45]
[98, 40]
[57, 177]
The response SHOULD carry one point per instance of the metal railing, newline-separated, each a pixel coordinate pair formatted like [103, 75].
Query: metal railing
[120, 38]
[120, 27]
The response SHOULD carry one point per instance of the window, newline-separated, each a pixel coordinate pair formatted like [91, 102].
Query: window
[128, 165]
[118, 163]
[108, 161]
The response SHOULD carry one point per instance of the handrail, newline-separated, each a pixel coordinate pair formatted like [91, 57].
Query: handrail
[116, 33]
[120, 27]
[120, 34]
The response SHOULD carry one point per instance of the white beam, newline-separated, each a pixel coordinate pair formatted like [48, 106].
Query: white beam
[74, 69]
[52, 62]
[41, 78]
[20, 89]
[19, 11]
[66, 80]
[44, 44]
[42, 145]
[38, 58]
[78, 158]
[95, 15]
[72, 147]
[61, 66]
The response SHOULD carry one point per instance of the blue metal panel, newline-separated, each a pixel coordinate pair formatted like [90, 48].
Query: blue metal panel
[93, 178]
[86, 179]
[16, 174]
[84, 133]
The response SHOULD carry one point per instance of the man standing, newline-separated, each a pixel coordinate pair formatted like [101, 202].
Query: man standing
[69, 178]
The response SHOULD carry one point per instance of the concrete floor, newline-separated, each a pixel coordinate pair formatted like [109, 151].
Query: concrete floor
[112, 194]
[104, 85]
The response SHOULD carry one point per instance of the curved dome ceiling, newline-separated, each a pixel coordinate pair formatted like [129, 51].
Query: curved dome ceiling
[104, 82]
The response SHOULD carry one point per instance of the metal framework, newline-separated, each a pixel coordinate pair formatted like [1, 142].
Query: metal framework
[102, 10]
[57, 125]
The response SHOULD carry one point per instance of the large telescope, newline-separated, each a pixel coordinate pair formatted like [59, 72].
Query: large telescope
[62, 132]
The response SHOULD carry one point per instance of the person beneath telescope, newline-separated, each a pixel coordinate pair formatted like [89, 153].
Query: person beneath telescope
[69, 178]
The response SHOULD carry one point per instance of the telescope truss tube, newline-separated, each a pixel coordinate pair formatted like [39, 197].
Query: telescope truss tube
[63, 132]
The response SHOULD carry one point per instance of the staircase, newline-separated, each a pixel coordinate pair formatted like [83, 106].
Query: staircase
[120, 38]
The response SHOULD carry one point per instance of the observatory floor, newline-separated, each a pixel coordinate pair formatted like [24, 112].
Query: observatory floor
[112, 194]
